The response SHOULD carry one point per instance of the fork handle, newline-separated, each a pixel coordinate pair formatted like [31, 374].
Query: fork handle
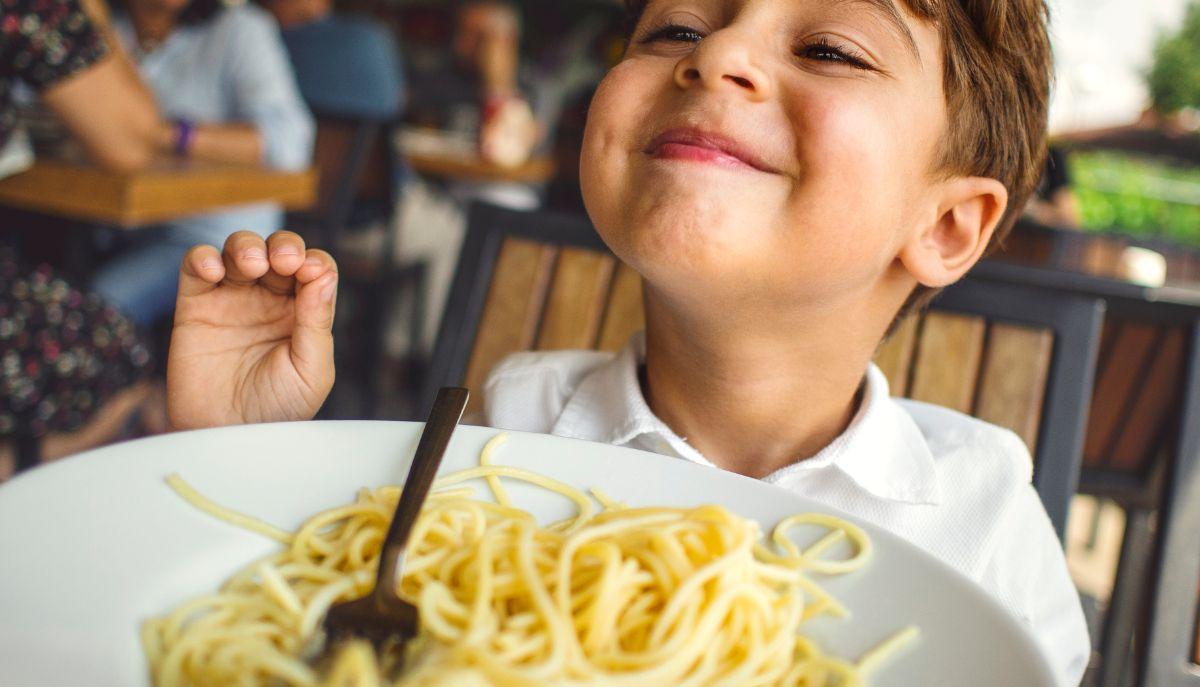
[447, 410]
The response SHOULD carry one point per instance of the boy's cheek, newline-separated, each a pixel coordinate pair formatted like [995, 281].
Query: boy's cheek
[616, 118]
[841, 133]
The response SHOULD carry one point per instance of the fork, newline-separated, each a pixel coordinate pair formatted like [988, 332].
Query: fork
[381, 616]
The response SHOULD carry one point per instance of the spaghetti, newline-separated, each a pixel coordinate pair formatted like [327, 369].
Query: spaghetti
[611, 596]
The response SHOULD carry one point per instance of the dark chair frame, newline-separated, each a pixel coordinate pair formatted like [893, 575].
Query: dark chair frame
[327, 226]
[376, 292]
[1172, 633]
[487, 227]
[1170, 546]
[1075, 321]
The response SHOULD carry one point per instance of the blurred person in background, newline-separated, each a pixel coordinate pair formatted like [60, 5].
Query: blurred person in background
[479, 91]
[72, 368]
[1054, 203]
[222, 76]
[474, 90]
[488, 38]
[344, 64]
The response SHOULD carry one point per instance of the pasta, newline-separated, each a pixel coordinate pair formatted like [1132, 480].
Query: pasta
[611, 596]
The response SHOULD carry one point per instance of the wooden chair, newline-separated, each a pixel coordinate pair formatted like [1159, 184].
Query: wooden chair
[529, 281]
[358, 188]
[355, 169]
[1143, 451]
[1016, 356]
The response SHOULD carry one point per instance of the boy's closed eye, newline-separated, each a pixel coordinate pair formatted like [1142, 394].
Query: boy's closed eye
[824, 49]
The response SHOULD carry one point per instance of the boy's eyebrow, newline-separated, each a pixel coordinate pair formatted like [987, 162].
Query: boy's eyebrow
[887, 10]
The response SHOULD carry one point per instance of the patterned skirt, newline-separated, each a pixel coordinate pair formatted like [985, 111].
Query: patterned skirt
[63, 352]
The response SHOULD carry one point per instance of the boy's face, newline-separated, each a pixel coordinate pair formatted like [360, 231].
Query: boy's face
[767, 148]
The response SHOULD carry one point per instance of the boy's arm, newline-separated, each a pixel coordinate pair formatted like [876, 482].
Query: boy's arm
[1028, 568]
[252, 340]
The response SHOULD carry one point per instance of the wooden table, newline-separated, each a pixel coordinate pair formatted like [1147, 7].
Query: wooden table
[166, 190]
[454, 156]
[1097, 253]
[536, 170]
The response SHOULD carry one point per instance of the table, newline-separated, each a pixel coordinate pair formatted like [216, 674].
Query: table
[536, 170]
[451, 155]
[167, 189]
[1187, 295]
[1093, 252]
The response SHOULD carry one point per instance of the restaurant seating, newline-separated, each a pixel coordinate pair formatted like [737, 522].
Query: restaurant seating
[358, 188]
[1143, 451]
[1015, 355]
[356, 182]
[348, 70]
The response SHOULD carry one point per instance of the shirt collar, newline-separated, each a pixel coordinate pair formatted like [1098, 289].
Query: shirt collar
[882, 450]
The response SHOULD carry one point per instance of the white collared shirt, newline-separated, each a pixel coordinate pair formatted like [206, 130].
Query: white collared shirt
[954, 485]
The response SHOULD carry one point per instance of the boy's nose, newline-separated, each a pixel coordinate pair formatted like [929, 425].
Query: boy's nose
[724, 61]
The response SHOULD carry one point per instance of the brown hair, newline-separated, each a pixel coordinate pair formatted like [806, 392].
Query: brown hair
[997, 74]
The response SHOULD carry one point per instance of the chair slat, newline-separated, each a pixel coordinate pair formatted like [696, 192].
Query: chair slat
[1012, 385]
[1142, 428]
[948, 357]
[624, 314]
[576, 300]
[1196, 651]
[512, 310]
[1116, 381]
[894, 356]
[1108, 337]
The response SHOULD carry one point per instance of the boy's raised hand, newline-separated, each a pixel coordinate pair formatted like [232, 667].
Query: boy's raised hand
[253, 339]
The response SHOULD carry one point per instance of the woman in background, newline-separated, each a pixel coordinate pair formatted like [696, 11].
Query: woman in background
[71, 367]
[222, 77]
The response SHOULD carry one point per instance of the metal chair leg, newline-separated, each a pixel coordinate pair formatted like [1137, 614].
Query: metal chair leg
[1171, 631]
[1121, 620]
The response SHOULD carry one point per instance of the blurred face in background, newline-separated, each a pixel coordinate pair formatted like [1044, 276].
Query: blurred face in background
[174, 7]
[297, 12]
[481, 23]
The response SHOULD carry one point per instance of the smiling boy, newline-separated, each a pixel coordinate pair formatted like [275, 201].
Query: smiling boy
[786, 176]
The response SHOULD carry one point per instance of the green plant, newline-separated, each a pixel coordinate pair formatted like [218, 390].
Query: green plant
[1137, 196]
[1174, 79]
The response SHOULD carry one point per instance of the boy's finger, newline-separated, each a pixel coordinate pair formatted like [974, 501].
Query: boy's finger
[312, 340]
[200, 271]
[285, 250]
[316, 263]
[245, 257]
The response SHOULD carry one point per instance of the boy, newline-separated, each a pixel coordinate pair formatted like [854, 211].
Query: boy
[786, 175]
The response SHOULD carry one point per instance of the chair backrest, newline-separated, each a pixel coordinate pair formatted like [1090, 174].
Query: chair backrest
[348, 70]
[1016, 356]
[355, 165]
[1139, 385]
[1143, 449]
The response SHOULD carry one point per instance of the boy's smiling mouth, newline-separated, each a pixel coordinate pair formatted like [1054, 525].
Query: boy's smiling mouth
[696, 145]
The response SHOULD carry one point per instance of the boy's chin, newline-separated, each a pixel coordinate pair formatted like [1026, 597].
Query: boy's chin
[689, 247]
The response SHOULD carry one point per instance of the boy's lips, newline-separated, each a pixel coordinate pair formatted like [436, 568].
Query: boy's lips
[685, 143]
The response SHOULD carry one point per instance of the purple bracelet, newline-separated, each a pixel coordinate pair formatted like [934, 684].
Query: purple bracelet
[185, 131]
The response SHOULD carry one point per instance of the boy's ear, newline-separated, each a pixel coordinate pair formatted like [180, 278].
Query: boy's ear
[969, 210]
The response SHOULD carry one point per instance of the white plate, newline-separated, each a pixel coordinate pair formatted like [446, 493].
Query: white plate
[91, 546]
